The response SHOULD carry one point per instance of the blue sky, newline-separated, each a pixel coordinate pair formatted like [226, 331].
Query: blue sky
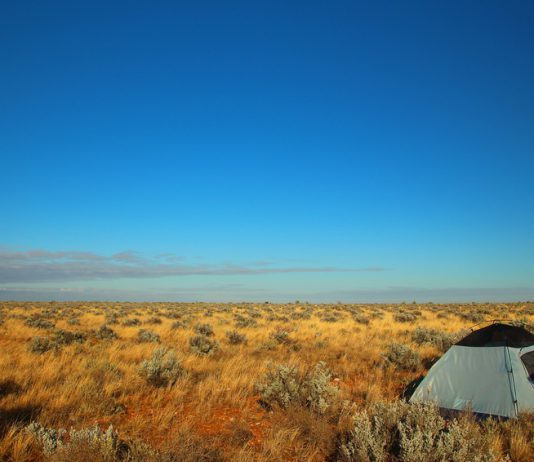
[318, 151]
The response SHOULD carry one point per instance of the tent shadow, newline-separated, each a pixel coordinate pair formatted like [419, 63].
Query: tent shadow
[9, 387]
[21, 415]
[409, 389]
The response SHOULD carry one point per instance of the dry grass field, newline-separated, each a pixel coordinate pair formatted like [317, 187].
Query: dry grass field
[237, 382]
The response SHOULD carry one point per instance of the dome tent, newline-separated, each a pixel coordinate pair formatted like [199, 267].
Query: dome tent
[490, 372]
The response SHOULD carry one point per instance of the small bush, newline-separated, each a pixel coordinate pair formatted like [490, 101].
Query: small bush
[39, 323]
[179, 325]
[402, 357]
[203, 345]
[92, 443]
[281, 336]
[48, 438]
[204, 329]
[112, 318]
[331, 317]
[162, 368]
[147, 336]
[242, 321]
[413, 433]
[404, 317]
[472, 316]
[284, 386]
[41, 345]
[360, 318]
[73, 321]
[105, 333]
[131, 322]
[235, 338]
[64, 337]
[441, 340]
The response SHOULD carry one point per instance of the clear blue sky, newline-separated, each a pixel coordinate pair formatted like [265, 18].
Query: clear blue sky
[267, 150]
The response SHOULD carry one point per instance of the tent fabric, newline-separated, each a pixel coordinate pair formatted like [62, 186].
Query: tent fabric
[528, 361]
[491, 380]
[499, 335]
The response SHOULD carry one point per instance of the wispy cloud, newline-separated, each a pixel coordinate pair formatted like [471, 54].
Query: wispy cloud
[46, 266]
[208, 292]
[426, 294]
[241, 292]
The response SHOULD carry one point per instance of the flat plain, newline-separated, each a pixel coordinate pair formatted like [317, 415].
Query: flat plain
[89, 381]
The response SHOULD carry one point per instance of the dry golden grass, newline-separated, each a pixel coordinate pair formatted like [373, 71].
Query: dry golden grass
[212, 411]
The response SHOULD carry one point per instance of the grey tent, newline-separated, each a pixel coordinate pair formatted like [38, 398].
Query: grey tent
[491, 372]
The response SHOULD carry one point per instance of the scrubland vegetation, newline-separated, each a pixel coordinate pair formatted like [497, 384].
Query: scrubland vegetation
[238, 382]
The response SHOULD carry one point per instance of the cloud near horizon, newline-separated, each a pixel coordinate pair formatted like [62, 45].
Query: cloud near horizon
[54, 266]
[240, 292]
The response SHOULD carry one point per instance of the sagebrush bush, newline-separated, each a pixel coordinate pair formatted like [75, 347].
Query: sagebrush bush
[148, 336]
[472, 315]
[94, 441]
[441, 340]
[242, 321]
[280, 336]
[163, 368]
[414, 433]
[280, 386]
[131, 322]
[236, 338]
[65, 337]
[41, 345]
[112, 318]
[331, 317]
[105, 333]
[360, 318]
[73, 321]
[202, 345]
[204, 329]
[284, 386]
[39, 323]
[153, 320]
[47, 438]
[402, 357]
[403, 316]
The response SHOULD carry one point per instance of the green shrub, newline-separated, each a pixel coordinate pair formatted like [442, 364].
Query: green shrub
[236, 338]
[360, 318]
[202, 345]
[472, 316]
[403, 316]
[48, 438]
[153, 320]
[402, 357]
[39, 323]
[73, 321]
[284, 386]
[162, 368]
[204, 329]
[280, 336]
[105, 333]
[112, 318]
[242, 321]
[441, 340]
[413, 433]
[147, 336]
[65, 337]
[41, 345]
[91, 443]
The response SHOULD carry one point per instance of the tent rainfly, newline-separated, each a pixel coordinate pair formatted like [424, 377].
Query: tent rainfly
[490, 372]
